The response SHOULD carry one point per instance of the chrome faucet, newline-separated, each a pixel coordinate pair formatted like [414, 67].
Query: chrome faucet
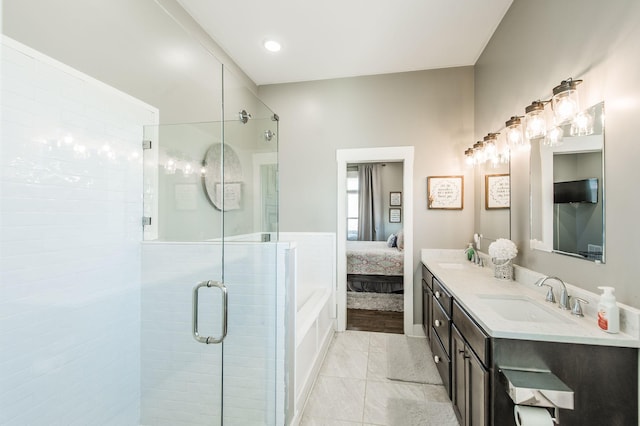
[564, 295]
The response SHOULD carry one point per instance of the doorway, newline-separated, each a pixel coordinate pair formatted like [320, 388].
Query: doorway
[387, 154]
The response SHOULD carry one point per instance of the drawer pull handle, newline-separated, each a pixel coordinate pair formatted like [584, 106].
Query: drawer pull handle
[437, 295]
[436, 359]
[437, 323]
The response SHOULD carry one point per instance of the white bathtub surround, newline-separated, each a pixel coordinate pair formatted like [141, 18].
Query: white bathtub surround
[70, 208]
[315, 283]
[471, 284]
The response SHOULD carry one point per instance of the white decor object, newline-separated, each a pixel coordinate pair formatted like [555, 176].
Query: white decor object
[502, 251]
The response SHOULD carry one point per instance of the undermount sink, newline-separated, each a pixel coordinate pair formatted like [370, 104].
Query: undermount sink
[521, 308]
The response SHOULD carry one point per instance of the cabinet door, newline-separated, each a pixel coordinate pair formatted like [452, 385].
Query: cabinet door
[426, 309]
[477, 391]
[458, 379]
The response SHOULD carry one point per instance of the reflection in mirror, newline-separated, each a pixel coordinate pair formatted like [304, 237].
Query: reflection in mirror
[567, 189]
[493, 201]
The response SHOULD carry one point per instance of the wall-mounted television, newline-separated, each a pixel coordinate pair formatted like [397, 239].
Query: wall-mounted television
[576, 191]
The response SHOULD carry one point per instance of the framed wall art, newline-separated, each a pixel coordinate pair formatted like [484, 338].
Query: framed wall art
[497, 194]
[395, 215]
[395, 199]
[445, 192]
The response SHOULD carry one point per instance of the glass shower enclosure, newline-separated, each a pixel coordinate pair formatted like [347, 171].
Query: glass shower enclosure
[209, 319]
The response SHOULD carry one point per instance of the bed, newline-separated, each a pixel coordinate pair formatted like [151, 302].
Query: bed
[374, 267]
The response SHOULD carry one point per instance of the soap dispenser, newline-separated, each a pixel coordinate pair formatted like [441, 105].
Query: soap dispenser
[608, 311]
[470, 252]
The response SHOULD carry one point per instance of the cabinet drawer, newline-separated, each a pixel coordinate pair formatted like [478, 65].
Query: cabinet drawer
[427, 276]
[476, 337]
[443, 363]
[441, 325]
[442, 295]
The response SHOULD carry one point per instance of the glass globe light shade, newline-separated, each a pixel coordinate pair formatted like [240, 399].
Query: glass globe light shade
[535, 123]
[478, 152]
[514, 134]
[468, 156]
[565, 103]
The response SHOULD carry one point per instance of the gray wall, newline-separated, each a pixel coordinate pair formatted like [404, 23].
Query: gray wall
[537, 44]
[431, 110]
[391, 181]
[149, 49]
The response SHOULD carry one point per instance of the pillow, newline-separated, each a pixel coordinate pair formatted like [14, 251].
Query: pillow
[391, 241]
[400, 240]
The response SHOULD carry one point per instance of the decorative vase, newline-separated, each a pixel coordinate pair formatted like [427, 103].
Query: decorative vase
[502, 268]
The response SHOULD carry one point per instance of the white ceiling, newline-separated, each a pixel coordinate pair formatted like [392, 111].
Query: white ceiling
[325, 39]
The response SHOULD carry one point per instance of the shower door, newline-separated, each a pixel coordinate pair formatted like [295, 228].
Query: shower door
[209, 284]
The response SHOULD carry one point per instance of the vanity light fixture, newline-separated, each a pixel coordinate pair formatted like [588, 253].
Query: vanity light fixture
[519, 131]
[565, 102]
[535, 124]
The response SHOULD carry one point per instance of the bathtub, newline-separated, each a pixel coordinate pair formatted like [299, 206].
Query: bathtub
[314, 322]
[314, 330]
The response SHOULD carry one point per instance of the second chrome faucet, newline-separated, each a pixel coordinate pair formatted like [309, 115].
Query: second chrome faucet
[564, 295]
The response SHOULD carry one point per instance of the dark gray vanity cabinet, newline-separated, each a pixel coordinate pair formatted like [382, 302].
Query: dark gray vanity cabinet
[470, 380]
[440, 330]
[604, 379]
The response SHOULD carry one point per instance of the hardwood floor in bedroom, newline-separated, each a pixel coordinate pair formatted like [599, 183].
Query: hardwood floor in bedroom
[376, 321]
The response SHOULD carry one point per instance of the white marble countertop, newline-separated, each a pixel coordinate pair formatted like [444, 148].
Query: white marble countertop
[476, 289]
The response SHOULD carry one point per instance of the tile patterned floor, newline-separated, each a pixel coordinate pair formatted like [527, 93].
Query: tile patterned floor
[352, 388]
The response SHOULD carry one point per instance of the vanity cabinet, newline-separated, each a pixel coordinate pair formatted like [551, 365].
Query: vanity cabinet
[470, 378]
[440, 330]
[604, 378]
[460, 350]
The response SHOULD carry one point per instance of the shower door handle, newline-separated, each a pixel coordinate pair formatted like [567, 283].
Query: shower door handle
[209, 339]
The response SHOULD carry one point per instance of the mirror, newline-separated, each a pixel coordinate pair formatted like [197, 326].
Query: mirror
[228, 196]
[493, 201]
[567, 191]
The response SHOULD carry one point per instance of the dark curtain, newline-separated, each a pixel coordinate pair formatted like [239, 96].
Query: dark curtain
[370, 205]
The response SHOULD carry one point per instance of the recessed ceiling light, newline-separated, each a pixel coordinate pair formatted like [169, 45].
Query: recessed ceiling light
[272, 46]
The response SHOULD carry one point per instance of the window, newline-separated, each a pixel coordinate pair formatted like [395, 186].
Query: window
[352, 204]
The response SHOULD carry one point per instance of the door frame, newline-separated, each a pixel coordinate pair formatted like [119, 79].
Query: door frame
[403, 154]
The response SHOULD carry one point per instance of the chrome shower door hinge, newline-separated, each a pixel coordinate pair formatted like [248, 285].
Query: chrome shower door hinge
[146, 144]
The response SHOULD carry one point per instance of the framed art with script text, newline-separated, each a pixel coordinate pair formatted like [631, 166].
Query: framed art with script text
[497, 194]
[445, 192]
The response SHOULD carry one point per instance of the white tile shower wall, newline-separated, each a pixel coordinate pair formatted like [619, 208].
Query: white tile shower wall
[70, 178]
[181, 378]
